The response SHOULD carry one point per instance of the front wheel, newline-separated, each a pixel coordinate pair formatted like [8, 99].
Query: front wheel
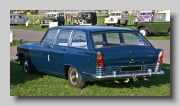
[75, 79]
[27, 68]
[143, 31]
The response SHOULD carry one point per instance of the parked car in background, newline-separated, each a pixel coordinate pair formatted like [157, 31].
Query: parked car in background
[159, 24]
[86, 18]
[18, 19]
[92, 53]
[117, 18]
[144, 16]
[52, 17]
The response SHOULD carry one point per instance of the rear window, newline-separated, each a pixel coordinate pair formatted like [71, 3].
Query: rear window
[112, 39]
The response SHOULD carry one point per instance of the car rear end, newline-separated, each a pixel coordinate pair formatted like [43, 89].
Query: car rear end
[124, 55]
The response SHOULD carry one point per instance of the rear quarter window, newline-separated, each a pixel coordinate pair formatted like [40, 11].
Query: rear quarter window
[112, 39]
[133, 39]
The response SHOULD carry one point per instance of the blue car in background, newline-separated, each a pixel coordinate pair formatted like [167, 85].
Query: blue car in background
[92, 53]
[18, 19]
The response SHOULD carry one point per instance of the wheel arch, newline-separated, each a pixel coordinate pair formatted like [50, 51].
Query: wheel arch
[66, 69]
[21, 55]
[142, 27]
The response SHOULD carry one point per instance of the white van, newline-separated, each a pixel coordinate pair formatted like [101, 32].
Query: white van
[117, 18]
[17, 19]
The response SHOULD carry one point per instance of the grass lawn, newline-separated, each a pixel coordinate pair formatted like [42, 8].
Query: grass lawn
[38, 84]
[17, 42]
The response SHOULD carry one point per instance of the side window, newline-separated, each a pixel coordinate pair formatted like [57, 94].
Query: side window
[20, 17]
[112, 38]
[97, 38]
[79, 40]
[10, 16]
[63, 37]
[160, 17]
[50, 37]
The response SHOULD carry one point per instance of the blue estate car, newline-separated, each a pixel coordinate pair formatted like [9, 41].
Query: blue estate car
[92, 53]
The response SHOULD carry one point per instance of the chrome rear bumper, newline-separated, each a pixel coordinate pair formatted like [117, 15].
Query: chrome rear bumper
[125, 76]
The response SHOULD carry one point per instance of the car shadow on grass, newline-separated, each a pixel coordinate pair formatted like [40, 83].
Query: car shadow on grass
[153, 81]
[17, 76]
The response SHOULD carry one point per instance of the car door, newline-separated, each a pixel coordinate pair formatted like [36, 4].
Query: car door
[158, 24]
[40, 52]
[57, 52]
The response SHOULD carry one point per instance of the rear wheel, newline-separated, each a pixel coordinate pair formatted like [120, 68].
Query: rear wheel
[75, 79]
[143, 31]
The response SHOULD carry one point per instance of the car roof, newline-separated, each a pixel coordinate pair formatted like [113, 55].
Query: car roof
[146, 11]
[165, 11]
[15, 14]
[95, 28]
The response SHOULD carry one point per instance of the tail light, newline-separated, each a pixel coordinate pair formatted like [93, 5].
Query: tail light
[100, 62]
[160, 58]
[24, 20]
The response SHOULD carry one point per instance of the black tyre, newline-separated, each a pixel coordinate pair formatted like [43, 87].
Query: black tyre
[135, 23]
[169, 33]
[107, 24]
[75, 79]
[42, 26]
[143, 31]
[27, 68]
[126, 23]
[116, 25]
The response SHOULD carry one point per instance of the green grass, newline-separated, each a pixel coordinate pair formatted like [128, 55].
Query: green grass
[159, 37]
[17, 42]
[38, 84]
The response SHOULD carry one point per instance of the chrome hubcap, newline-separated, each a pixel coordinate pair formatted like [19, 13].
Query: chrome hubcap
[142, 32]
[74, 77]
[26, 66]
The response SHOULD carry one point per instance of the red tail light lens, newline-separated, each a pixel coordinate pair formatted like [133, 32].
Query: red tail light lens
[160, 58]
[100, 62]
